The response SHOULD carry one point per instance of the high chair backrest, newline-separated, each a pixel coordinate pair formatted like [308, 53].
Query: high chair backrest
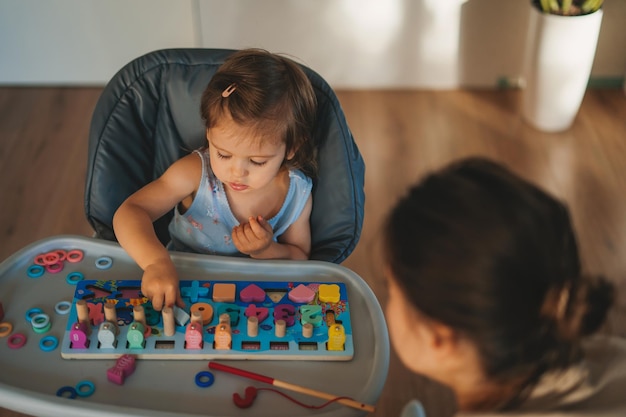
[148, 116]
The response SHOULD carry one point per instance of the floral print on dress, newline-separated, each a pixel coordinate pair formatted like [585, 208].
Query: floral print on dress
[195, 223]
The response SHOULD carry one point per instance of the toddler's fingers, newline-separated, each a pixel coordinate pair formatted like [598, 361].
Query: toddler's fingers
[171, 298]
[259, 227]
[157, 302]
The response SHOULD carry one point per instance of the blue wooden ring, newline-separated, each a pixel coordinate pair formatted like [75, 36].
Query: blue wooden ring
[32, 312]
[74, 278]
[39, 321]
[48, 343]
[204, 379]
[35, 271]
[90, 388]
[104, 262]
[67, 390]
[63, 307]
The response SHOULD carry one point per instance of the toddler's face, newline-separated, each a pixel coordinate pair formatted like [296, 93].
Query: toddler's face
[241, 162]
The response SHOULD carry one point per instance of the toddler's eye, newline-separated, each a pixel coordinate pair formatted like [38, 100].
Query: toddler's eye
[222, 156]
[257, 163]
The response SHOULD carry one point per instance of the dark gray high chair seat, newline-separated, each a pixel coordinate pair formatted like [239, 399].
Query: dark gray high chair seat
[148, 116]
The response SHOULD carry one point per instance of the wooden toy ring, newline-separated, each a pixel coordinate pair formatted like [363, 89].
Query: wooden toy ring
[63, 307]
[32, 313]
[39, 259]
[55, 268]
[104, 262]
[51, 258]
[204, 379]
[67, 390]
[16, 340]
[44, 329]
[62, 254]
[74, 256]
[5, 328]
[74, 278]
[35, 271]
[205, 310]
[85, 393]
[48, 343]
[40, 321]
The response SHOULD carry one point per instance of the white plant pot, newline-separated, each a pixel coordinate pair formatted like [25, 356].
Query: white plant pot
[557, 64]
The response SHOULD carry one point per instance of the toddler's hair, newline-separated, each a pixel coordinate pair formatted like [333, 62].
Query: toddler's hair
[494, 257]
[271, 95]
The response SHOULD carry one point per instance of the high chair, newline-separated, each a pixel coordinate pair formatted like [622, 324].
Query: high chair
[148, 116]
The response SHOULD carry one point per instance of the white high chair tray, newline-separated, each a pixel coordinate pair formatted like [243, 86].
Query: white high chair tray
[30, 376]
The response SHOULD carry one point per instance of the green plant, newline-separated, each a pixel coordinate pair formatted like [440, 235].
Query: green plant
[570, 7]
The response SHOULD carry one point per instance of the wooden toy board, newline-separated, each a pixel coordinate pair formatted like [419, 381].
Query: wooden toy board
[324, 305]
[30, 377]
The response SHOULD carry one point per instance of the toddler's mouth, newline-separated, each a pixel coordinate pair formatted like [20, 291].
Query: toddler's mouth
[237, 186]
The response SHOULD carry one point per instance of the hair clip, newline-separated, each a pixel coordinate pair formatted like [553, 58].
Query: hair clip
[229, 90]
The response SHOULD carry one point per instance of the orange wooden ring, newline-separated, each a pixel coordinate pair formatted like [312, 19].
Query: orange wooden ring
[5, 328]
[75, 255]
[205, 310]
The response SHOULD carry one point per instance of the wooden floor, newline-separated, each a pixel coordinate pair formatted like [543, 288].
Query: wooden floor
[401, 134]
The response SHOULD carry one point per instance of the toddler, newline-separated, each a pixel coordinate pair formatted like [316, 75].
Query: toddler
[248, 192]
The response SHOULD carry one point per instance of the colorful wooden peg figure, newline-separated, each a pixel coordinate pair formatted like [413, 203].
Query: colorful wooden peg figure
[78, 336]
[223, 334]
[135, 336]
[193, 335]
[336, 337]
[106, 335]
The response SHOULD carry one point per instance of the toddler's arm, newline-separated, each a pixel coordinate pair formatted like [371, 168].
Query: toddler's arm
[133, 225]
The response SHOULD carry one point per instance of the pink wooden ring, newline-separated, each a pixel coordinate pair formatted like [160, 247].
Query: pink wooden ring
[74, 256]
[55, 268]
[16, 340]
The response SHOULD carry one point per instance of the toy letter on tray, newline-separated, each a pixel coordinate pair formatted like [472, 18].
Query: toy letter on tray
[223, 320]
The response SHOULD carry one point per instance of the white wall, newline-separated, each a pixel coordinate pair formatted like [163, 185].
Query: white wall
[87, 41]
[352, 43]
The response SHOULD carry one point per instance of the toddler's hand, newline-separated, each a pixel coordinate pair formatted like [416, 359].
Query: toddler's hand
[253, 237]
[160, 284]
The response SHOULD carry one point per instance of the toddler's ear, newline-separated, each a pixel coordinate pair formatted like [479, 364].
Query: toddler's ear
[290, 155]
[207, 133]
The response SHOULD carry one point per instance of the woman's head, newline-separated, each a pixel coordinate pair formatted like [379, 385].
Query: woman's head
[270, 97]
[494, 258]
